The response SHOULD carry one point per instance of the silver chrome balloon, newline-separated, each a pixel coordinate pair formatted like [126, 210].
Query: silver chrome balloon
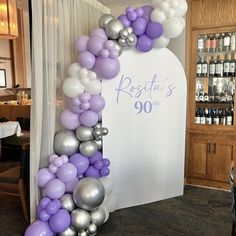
[65, 142]
[98, 133]
[119, 49]
[130, 30]
[83, 233]
[131, 40]
[67, 202]
[122, 42]
[84, 133]
[113, 29]
[98, 216]
[124, 33]
[99, 125]
[105, 19]
[92, 228]
[88, 148]
[68, 232]
[80, 219]
[98, 143]
[89, 193]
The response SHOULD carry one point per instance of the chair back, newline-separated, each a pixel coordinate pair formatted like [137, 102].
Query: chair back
[24, 167]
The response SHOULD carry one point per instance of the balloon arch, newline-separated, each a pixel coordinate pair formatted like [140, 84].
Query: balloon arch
[77, 194]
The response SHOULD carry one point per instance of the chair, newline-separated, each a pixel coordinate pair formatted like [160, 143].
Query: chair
[232, 181]
[14, 181]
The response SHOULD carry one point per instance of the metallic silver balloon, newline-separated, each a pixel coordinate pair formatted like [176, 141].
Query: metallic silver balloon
[124, 33]
[131, 40]
[98, 143]
[89, 193]
[88, 148]
[99, 125]
[92, 228]
[80, 219]
[105, 19]
[98, 216]
[68, 232]
[84, 133]
[97, 133]
[130, 30]
[83, 233]
[122, 42]
[67, 202]
[119, 49]
[113, 29]
[65, 142]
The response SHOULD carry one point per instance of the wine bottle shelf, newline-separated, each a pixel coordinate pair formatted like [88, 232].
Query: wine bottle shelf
[215, 53]
[213, 105]
[217, 77]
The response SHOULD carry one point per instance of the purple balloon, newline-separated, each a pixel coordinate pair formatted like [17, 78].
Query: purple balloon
[107, 68]
[106, 162]
[44, 216]
[92, 172]
[74, 101]
[84, 105]
[96, 157]
[114, 54]
[147, 10]
[38, 228]
[60, 221]
[139, 11]
[69, 120]
[132, 15]
[144, 43]
[86, 60]
[53, 206]
[71, 185]
[38, 210]
[67, 172]
[128, 9]
[74, 109]
[98, 164]
[124, 20]
[105, 171]
[81, 162]
[89, 118]
[139, 26]
[154, 30]
[104, 53]
[100, 33]
[55, 188]
[97, 103]
[44, 175]
[84, 97]
[44, 202]
[81, 43]
[52, 168]
[58, 162]
[95, 45]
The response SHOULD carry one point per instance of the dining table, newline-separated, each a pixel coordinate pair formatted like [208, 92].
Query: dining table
[10, 128]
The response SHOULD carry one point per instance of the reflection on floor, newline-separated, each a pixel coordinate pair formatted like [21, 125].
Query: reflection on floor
[200, 212]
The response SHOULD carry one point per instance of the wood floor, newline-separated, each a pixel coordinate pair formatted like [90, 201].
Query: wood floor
[200, 212]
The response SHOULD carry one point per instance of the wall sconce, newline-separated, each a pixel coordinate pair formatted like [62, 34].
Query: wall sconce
[8, 19]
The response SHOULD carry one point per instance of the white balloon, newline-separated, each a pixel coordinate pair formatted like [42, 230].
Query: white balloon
[181, 8]
[182, 20]
[170, 12]
[108, 185]
[84, 80]
[174, 3]
[83, 73]
[172, 27]
[164, 6]
[73, 70]
[158, 15]
[92, 75]
[162, 42]
[155, 3]
[72, 87]
[112, 202]
[94, 87]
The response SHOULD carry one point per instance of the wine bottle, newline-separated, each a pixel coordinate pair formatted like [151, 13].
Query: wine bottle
[226, 65]
[207, 43]
[197, 116]
[200, 43]
[226, 45]
[213, 43]
[216, 119]
[229, 117]
[212, 67]
[202, 117]
[222, 117]
[208, 116]
[222, 98]
[233, 41]
[217, 98]
[220, 42]
[201, 97]
[204, 67]
[206, 97]
[219, 67]
[232, 65]
[199, 67]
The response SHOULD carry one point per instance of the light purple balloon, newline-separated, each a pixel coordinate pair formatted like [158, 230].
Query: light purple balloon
[104, 53]
[38, 210]
[86, 60]
[55, 188]
[38, 228]
[132, 15]
[154, 30]
[139, 11]
[84, 106]
[114, 54]
[105, 171]
[144, 43]
[74, 101]
[139, 26]
[74, 109]
[67, 172]
[44, 175]
[92, 172]
[44, 216]
[60, 221]
[89, 118]
[107, 68]
[53, 206]
[69, 120]
[96, 157]
[128, 9]
[71, 185]
[106, 162]
[52, 168]
[84, 97]
[147, 12]
[81, 43]
[98, 164]
[109, 45]
[81, 162]
[100, 33]
[95, 45]
[44, 202]
[97, 103]
[124, 20]
[58, 162]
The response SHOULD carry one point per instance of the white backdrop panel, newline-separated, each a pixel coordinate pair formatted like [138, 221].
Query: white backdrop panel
[145, 113]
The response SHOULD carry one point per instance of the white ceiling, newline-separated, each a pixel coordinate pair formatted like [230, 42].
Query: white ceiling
[118, 3]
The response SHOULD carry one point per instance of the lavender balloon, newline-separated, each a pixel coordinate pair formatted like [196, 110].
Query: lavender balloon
[39, 228]
[154, 30]
[81, 43]
[44, 202]
[44, 175]
[107, 68]
[124, 20]
[86, 60]
[84, 97]
[97, 103]
[43, 215]
[70, 185]
[53, 206]
[139, 26]
[67, 172]
[92, 172]
[98, 165]
[105, 171]
[81, 162]
[69, 120]
[147, 10]
[55, 188]
[144, 44]
[89, 118]
[100, 33]
[96, 157]
[95, 45]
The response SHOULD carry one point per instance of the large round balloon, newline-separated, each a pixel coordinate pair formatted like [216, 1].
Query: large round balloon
[72, 87]
[81, 162]
[80, 219]
[44, 175]
[89, 193]
[67, 172]
[69, 120]
[98, 216]
[39, 228]
[55, 188]
[68, 232]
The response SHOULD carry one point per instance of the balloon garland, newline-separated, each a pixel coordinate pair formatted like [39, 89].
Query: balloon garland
[77, 194]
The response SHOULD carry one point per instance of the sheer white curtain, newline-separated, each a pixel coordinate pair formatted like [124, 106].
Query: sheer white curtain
[55, 26]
